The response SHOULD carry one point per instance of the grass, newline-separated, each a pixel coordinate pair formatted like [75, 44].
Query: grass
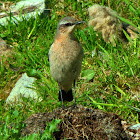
[109, 79]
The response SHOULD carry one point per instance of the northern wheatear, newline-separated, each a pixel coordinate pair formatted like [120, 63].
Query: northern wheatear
[65, 56]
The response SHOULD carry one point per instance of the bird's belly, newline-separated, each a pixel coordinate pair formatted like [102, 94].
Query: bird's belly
[64, 69]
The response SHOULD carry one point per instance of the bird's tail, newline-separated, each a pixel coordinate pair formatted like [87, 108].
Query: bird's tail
[67, 96]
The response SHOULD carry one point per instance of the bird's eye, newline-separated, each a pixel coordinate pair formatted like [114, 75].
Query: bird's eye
[68, 24]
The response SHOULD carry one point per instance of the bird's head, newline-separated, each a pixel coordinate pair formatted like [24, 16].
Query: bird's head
[67, 25]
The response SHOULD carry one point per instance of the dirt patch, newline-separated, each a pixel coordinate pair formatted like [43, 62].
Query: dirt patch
[4, 49]
[4, 6]
[5, 91]
[78, 123]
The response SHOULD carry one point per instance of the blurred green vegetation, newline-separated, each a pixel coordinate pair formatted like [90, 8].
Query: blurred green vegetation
[109, 80]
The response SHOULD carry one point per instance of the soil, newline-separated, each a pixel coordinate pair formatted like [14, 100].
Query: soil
[78, 123]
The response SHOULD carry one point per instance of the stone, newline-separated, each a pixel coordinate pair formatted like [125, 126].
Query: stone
[31, 7]
[23, 88]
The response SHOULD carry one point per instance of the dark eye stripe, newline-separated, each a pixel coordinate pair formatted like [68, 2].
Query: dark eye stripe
[69, 24]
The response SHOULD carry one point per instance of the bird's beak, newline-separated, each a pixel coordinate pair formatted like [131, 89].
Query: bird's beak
[79, 22]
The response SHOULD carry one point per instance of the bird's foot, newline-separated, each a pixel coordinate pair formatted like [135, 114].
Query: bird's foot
[63, 107]
[74, 105]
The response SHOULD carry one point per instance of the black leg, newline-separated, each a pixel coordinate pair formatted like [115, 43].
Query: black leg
[60, 91]
[74, 101]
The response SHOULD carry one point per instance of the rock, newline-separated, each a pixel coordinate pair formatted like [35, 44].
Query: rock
[29, 6]
[23, 88]
[78, 123]
[134, 131]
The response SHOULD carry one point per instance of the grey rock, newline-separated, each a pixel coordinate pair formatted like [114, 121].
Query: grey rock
[32, 7]
[23, 88]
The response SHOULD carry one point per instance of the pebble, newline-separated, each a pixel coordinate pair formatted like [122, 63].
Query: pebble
[23, 88]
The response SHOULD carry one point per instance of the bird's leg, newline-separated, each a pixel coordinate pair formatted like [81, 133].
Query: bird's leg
[74, 101]
[60, 90]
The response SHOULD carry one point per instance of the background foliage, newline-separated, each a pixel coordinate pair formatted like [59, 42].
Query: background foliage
[109, 80]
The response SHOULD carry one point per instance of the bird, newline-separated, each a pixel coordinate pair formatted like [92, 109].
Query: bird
[65, 58]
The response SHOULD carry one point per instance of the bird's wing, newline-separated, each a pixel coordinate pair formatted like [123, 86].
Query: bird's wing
[49, 52]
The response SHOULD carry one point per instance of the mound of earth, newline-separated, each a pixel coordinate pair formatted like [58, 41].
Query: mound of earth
[78, 123]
